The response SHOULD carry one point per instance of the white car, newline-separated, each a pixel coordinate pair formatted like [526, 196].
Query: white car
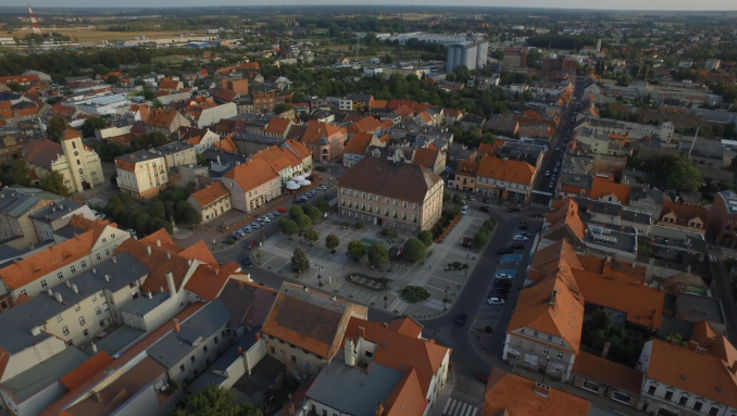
[266, 219]
[547, 173]
[464, 210]
[503, 276]
[495, 300]
[322, 188]
[519, 237]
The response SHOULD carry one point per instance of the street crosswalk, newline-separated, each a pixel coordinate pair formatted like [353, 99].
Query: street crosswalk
[454, 407]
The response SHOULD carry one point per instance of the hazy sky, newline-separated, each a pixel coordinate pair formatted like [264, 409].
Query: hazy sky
[587, 4]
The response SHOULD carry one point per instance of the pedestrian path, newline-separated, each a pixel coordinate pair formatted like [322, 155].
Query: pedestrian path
[455, 407]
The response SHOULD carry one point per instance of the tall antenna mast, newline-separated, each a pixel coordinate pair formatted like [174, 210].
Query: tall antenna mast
[34, 23]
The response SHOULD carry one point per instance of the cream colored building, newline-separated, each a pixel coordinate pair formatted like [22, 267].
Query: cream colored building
[404, 196]
[77, 163]
[142, 174]
[211, 202]
[252, 185]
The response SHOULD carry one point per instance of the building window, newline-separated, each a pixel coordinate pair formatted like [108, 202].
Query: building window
[294, 358]
[102, 322]
[697, 406]
[273, 350]
[23, 292]
[44, 284]
[105, 306]
[96, 256]
[535, 334]
[713, 411]
[65, 330]
[181, 368]
[60, 275]
[216, 340]
[86, 332]
[683, 400]
[192, 359]
[94, 297]
[668, 395]
[546, 350]
[73, 269]
[59, 318]
[81, 321]
[98, 311]
[77, 307]
[204, 349]
[560, 355]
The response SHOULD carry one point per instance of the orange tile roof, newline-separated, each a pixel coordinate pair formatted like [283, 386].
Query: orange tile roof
[358, 144]
[642, 304]
[467, 168]
[609, 372]
[400, 351]
[403, 111]
[406, 326]
[602, 187]
[249, 65]
[558, 250]
[509, 170]
[160, 117]
[684, 212]
[209, 280]
[315, 131]
[31, 268]
[96, 363]
[240, 86]
[226, 144]
[302, 151]
[251, 174]
[406, 399]
[274, 157]
[379, 103]
[702, 374]
[425, 117]
[395, 104]
[19, 79]
[567, 215]
[97, 225]
[212, 193]
[425, 157]
[366, 124]
[278, 126]
[168, 84]
[562, 318]
[517, 396]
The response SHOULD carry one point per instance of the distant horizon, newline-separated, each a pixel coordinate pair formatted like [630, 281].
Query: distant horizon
[584, 5]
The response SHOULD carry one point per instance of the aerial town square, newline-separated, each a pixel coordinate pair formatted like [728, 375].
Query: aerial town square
[353, 208]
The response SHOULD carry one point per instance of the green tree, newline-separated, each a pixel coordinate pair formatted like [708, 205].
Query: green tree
[425, 237]
[15, 87]
[356, 249]
[112, 79]
[157, 209]
[187, 214]
[677, 172]
[201, 160]
[414, 294]
[19, 172]
[295, 211]
[324, 206]
[300, 262]
[213, 400]
[414, 250]
[378, 255]
[313, 212]
[281, 108]
[446, 195]
[56, 128]
[54, 183]
[457, 199]
[312, 236]
[116, 201]
[142, 223]
[91, 125]
[149, 140]
[480, 239]
[289, 228]
[332, 241]
[303, 221]
[126, 198]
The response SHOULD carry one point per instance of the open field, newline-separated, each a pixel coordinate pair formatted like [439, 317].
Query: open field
[90, 34]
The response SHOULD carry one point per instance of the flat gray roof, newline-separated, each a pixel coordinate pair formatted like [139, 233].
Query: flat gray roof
[56, 210]
[143, 305]
[351, 390]
[38, 377]
[699, 308]
[174, 346]
[115, 341]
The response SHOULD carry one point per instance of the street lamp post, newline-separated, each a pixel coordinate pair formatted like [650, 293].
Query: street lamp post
[445, 299]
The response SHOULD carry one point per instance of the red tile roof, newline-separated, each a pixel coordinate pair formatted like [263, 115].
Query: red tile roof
[212, 193]
[426, 157]
[96, 363]
[507, 170]
[209, 280]
[251, 174]
[609, 372]
[602, 187]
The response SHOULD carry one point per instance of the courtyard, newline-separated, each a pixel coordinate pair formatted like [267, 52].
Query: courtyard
[379, 287]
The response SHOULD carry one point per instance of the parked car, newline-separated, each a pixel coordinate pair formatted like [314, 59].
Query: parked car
[254, 226]
[503, 276]
[504, 251]
[485, 200]
[322, 188]
[266, 219]
[281, 210]
[496, 300]
[484, 208]
[538, 215]
[299, 202]
[514, 209]
[461, 319]
[520, 237]
[247, 263]
[547, 173]
[471, 198]
[464, 210]
[246, 229]
[251, 244]
[518, 246]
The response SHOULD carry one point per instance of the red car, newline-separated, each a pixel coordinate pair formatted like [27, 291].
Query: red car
[282, 210]
[251, 245]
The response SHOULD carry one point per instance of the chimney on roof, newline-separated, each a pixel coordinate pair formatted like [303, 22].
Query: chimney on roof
[176, 325]
[69, 284]
[168, 255]
[158, 243]
[148, 250]
[362, 332]
[75, 288]
[305, 288]
[58, 297]
[258, 335]
[94, 270]
[50, 293]
[95, 396]
[170, 283]
[349, 354]
[94, 348]
[149, 295]
[107, 277]
[115, 259]
[542, 389]
[379, 409]
[605, 351]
